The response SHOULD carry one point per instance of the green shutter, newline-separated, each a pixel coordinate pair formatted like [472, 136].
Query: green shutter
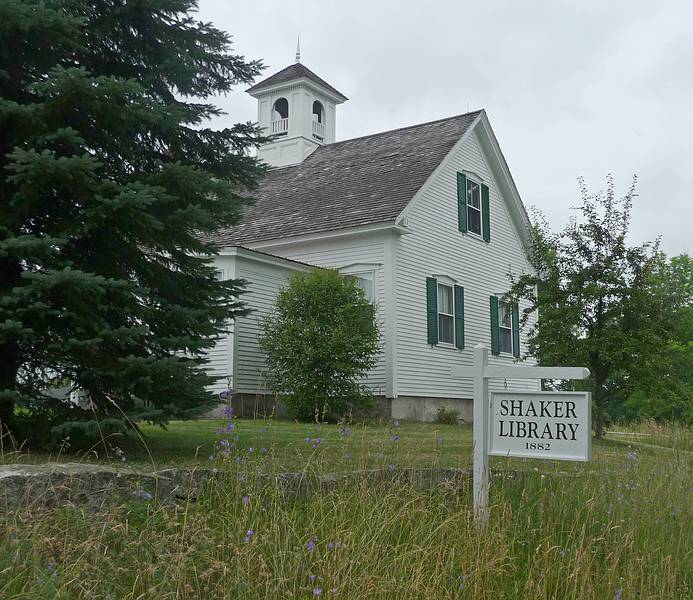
[485, 214]
[432, 309]
[459, 316]
[495, 331]
[462, 202]
[516, 330]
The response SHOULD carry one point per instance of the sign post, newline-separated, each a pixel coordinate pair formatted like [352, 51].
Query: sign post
[550, 425]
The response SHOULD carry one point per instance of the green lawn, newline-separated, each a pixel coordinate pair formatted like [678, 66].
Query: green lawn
[288, 444]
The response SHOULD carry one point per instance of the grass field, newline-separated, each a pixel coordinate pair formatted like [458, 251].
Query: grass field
[619, 527]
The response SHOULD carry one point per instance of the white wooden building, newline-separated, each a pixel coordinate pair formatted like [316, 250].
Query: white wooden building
[427, 217]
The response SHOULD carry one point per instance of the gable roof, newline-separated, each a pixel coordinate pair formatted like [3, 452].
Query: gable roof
[355, 182]
[295, 71]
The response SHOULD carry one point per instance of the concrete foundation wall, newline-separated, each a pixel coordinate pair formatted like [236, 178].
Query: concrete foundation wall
[417, 408]
[405, 408]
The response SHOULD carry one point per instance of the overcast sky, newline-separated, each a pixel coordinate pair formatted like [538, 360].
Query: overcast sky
[572, 88]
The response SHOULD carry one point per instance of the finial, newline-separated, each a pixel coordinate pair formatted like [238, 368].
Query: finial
[298, 49]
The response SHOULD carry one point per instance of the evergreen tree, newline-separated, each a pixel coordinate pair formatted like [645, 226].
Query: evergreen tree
[108, 182]
[597, 305]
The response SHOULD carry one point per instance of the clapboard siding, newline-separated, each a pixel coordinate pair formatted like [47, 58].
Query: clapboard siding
[435, 246]
[264, 283]
[220, 356]
[341, 253]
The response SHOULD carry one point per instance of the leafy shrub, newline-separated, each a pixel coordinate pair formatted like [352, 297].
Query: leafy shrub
[320, 339]
[447, 416]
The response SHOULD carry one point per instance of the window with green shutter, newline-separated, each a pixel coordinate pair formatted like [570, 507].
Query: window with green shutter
[473, 207]
[505, 327]
[444, 312]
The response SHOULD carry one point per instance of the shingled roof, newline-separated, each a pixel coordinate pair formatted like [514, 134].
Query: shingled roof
[355, 182]
[295, 71]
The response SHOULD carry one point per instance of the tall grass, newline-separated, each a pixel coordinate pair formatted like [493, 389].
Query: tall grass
[620, 527]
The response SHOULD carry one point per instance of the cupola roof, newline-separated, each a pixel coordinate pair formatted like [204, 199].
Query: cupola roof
[292, 72]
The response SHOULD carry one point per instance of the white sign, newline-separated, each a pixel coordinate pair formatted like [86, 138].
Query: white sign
[550, 425]
[516, 438]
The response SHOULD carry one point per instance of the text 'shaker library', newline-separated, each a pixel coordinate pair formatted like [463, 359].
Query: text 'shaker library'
[552, 425]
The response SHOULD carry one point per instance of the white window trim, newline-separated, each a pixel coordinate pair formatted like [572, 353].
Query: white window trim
[512, 337]
[364, 273]
[452, 306]
[478, 181]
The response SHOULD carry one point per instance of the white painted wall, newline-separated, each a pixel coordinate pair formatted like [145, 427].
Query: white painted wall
[299, 142]
[350, 254]
[435, 246]
[237, 356]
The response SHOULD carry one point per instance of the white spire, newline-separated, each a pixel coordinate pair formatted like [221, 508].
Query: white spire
[298, 49]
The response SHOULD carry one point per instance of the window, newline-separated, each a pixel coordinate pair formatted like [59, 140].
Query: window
[366, 281]
[473, 207]
[281, 109]
[505, 326]
[446, 314]
[318, 112]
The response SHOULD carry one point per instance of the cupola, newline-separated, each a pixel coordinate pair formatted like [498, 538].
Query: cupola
[298, 110]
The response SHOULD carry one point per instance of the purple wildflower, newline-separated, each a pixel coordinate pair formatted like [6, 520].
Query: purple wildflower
[52, 567]
[307, 440]
[245, 499]
[250, 533]
[263, 429]
[394, 437]
[334, 591]
[390, 468]
[310, 546]
[562, 552]
[228, 410]
[230, 427]
[251, 450]
[142, 494]
[330, 545]
[311, 577]
[263, 450]
[464, 581]
[618, 594]
[317, 591]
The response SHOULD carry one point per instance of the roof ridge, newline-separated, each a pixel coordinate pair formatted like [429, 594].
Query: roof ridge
[360, 137]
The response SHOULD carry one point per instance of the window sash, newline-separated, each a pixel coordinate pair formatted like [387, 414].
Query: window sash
[365, 280]
[474, 216]
[505, 326]
[446, 314]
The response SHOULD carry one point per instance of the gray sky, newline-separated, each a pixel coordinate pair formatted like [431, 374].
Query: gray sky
[572, 88]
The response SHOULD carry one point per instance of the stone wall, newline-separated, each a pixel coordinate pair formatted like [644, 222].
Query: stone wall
[40, 487]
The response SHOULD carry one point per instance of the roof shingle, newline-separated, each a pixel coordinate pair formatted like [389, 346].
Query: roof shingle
[355, 182]
[295, 71]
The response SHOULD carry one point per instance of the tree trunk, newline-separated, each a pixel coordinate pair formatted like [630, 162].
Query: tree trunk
[8, 381]
[599, 413]
[9, 350]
